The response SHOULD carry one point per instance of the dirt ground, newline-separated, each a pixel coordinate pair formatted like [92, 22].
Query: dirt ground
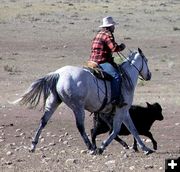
[40, 36]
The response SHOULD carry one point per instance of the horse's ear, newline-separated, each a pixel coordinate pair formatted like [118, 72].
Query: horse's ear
[148, 104]
[140, 51]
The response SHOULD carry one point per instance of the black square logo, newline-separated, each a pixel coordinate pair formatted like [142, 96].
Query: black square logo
[172, 165]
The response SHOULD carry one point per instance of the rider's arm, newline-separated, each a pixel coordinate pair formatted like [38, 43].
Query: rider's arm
[113, 46]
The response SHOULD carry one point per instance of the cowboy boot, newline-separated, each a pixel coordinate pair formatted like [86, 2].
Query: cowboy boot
[119, 101]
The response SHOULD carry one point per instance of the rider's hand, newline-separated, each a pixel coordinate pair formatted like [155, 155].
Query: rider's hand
[122, 46]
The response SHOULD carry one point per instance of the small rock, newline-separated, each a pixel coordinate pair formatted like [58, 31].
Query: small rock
[1, 128]
[1, 140]
[17, 149]
[71, 161]
[63, 151]
[48, 133]
[26, 147]
[106, 156]
[12, 144]
[66, 134]
[122, 152]
[70, 138]
[52, 144]
[125, 156]
[61, 136]
[132, 168]
[65, 142]
[47, 159]
[160, 168]
[44, 47]
[110, 163]
[22, 134]
[42, 140]
[18, 130]
[147, 140]
[83, 151]
[16, 135]
[8, 162]
[94, 157]
[9, 153]
[148, 166]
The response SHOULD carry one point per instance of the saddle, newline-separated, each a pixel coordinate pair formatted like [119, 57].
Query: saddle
[97, 71]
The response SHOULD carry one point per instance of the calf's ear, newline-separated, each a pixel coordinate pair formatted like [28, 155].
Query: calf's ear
[148, 104]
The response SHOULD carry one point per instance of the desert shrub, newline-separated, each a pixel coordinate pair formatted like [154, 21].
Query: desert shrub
[11, 69]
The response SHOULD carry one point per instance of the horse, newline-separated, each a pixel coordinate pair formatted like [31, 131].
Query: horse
[80, 90]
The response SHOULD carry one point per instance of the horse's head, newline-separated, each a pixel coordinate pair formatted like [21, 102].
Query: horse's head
[140, 62]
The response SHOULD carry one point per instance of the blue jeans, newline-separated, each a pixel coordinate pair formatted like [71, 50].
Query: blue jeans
[115, 83]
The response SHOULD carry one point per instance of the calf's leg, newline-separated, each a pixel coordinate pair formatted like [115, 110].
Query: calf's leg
[123, 143]
[149, 134]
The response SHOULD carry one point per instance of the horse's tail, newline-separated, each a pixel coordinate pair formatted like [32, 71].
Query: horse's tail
[44, 85]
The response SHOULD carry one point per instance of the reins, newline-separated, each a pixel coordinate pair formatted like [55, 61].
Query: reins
[122, 55]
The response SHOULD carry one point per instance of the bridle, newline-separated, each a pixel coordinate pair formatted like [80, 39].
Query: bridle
[143, 60]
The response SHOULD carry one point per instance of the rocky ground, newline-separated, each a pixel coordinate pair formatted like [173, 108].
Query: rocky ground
[40, 36]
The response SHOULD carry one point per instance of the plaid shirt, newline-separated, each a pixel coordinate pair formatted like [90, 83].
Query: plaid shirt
[103, 45]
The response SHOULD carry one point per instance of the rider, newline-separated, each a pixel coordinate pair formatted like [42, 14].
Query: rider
[103, 46]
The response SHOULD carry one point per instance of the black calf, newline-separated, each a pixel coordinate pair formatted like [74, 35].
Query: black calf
[143, 118]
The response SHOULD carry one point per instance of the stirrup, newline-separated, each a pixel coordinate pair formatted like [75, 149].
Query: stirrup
[118, 103]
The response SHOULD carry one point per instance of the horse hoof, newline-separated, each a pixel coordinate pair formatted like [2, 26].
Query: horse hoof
[92, 152]
[99, 151]
[134, 149]
[32, 149]
[155, 147]
[148, 152]
[125, 147]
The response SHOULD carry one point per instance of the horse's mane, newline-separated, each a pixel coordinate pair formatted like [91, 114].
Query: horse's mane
[125, 76]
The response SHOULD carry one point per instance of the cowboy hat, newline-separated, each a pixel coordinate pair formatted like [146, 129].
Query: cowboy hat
[108, 21]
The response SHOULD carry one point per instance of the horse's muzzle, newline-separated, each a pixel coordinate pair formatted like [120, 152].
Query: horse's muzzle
[148, 76]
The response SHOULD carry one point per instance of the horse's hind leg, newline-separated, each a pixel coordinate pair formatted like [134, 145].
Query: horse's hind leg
[80, 117]
[52, 103]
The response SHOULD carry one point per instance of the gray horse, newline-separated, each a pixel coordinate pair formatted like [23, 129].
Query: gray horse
[79, 89]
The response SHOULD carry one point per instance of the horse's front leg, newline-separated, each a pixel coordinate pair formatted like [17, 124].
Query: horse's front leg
[117, 121]
[130, 125]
